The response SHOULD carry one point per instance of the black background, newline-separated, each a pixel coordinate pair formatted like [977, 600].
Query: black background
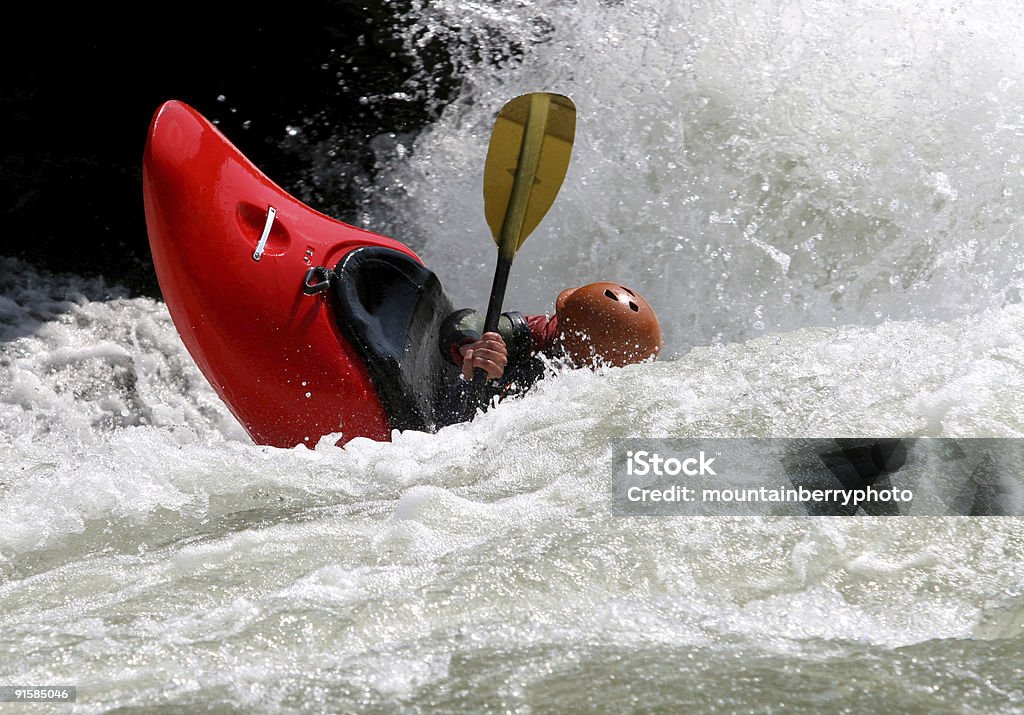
[81, 87]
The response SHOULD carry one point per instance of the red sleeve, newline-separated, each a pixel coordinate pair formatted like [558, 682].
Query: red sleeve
[543, 329]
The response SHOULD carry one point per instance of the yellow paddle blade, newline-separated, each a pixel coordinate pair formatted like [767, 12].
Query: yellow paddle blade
[526, 163]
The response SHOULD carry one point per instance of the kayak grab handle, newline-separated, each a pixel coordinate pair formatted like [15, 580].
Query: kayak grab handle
[318, 279]
[258, 253]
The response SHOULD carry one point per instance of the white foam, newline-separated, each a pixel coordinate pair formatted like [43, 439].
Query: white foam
[749, 167]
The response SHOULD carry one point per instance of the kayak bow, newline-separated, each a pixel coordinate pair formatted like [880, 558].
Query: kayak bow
[232, 251]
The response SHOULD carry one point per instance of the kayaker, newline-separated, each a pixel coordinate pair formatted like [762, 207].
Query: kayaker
[598, 323]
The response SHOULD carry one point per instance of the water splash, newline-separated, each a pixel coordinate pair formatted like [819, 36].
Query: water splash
[749, 167]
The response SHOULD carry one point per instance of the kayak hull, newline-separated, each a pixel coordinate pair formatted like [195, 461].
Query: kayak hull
[273, 354]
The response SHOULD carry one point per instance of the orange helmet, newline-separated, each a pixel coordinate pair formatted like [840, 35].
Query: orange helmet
[607, 322]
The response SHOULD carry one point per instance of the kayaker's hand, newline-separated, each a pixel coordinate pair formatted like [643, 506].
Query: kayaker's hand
[488, 353]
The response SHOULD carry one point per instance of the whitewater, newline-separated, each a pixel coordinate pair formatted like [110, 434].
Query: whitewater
[821, 200]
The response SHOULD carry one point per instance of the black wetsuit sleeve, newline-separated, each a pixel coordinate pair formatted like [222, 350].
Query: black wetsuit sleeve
[522, 371]
[466, 325]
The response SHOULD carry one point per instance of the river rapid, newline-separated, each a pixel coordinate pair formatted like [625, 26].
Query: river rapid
[821, 201]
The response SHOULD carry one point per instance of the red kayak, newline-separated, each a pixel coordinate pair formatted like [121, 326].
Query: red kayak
[285, 310]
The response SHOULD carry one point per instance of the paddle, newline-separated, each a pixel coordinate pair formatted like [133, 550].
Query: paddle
[526, 162]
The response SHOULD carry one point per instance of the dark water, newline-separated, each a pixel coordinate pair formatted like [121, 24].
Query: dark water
[302, 92]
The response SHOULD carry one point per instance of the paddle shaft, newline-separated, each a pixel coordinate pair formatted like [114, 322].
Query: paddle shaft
[501, 272]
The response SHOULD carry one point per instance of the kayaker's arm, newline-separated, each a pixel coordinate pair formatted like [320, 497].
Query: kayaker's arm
[463, 329]
[523, 337]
